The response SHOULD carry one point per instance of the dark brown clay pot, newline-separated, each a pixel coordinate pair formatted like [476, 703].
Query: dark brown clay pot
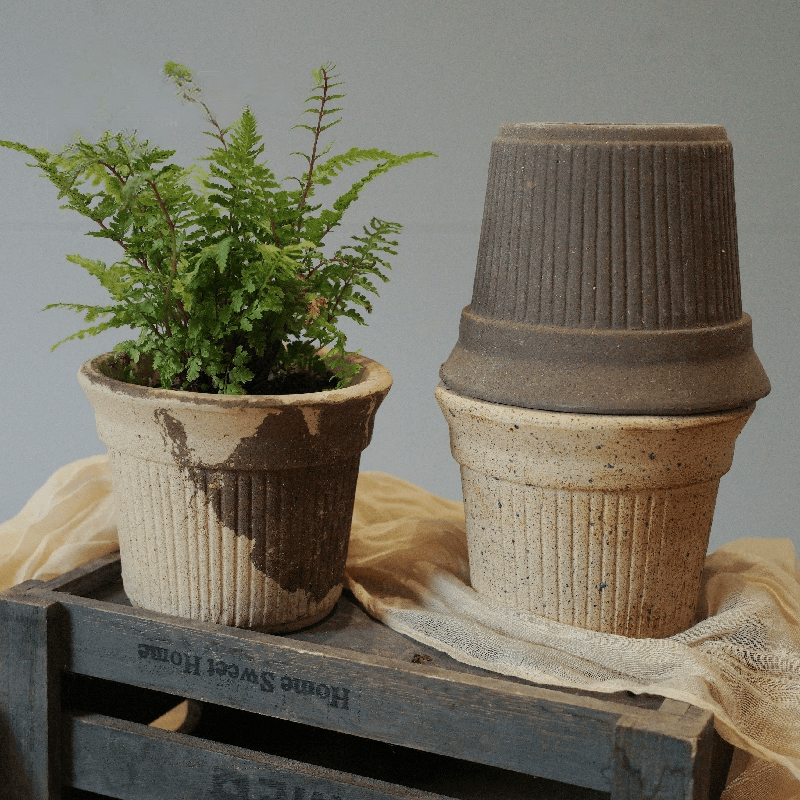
[607, 278]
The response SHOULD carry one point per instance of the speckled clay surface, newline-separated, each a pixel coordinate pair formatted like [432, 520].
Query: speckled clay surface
[607, 277]
[593, 520]
[235, 509]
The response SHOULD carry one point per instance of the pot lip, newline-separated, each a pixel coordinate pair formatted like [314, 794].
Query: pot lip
[570, 420]
[373, 379]
[665, 371]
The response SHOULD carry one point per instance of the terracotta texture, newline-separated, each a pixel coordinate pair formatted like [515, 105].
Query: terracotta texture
[607, 278]
[599, 521]
[235, 509]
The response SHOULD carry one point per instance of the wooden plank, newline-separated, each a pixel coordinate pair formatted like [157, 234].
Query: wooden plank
[676, 708]
[89, 577]
[722, 755]
[349, 627]
[666, 756]
[713, 759]
[23, 587]
[135, 762]
[487, 720]
[29, 696]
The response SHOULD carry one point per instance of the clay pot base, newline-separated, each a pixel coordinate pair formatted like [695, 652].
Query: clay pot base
[296, 625]
[287, 627]
[592, 520]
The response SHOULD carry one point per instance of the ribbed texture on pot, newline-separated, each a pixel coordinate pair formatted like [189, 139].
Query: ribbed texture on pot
[592, 520]
[607, 279]
[619, 562]
[628, 235]
[235, 509]
[254, 549]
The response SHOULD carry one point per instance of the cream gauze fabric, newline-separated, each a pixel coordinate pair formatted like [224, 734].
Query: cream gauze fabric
[408, 567]
[68, 522]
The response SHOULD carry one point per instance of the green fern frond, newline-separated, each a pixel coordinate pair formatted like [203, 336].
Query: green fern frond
[224, 272]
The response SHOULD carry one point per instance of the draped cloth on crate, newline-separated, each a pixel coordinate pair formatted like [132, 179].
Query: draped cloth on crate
[408, 567]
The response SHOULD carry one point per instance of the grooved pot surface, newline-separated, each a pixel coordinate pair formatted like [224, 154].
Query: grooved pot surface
[235, 510]
[593, 520]
[606, 227]
[594, 235]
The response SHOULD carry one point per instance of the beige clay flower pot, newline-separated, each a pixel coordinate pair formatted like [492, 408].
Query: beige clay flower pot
[596, 521]
[235, 510]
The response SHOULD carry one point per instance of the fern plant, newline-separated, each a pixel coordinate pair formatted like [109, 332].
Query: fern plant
[225, 274]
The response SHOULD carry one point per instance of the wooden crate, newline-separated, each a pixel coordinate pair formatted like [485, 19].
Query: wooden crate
[346, 710]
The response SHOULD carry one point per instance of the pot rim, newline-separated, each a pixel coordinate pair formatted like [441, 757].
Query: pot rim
[590, 452]
[373, 378]
[659, 372]
[571, 420]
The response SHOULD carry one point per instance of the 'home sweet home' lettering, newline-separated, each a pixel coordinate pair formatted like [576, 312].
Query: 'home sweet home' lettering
[189, 664]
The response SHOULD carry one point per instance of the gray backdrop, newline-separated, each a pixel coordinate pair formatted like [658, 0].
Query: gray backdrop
[437, 75]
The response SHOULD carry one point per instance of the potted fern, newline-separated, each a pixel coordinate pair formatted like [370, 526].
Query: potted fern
[235, 420]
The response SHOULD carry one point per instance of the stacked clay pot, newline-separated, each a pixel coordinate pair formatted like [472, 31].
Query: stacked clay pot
[602, 372]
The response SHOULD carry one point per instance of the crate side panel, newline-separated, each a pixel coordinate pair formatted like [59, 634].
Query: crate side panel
[29, 697]
[89, 577]
[666, 758]
[136, 762]
[489, 721]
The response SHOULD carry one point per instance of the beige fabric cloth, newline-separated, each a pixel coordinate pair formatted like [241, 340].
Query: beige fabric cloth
[67, 522]
[408, 566]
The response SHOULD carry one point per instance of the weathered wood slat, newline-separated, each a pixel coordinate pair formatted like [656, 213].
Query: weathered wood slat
[674, 707]
[29, 696]
[136, 762]
[713, 758]
[89, 577]
[350, 628]
[349, 674]
[665, 757]
[514, 726]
